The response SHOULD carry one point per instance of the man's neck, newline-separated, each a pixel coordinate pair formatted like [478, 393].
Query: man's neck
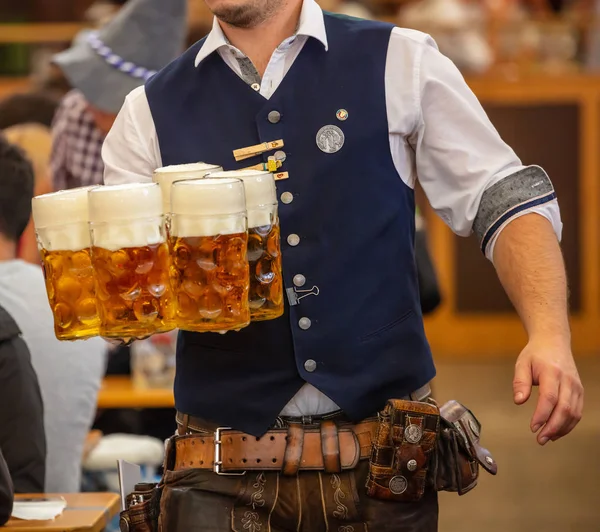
[259, 43]
[8, 249]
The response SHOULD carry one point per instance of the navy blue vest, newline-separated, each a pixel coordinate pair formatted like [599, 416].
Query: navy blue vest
[351, 210]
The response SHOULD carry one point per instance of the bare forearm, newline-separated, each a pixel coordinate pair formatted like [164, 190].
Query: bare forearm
[530, 267]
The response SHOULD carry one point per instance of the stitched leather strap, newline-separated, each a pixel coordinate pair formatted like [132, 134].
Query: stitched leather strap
[330, 444]
[242, 452]
[293, 450]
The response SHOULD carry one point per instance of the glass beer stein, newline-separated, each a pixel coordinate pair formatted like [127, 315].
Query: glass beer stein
[208, 241]
[264, 248]
[167, 175]
[62, 232]
[131, 261]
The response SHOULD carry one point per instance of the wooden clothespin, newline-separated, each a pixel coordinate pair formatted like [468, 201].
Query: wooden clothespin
[251, 151]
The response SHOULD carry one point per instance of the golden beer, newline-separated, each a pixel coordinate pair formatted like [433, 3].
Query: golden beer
[266, 285]
[61, 224]
[264, 248]
[131, 261]
[209, 243]
[167, 175]
[133, 290]
[210, 277]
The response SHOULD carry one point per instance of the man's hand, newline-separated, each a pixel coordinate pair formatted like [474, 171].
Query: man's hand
[530, 266]
[550, 366]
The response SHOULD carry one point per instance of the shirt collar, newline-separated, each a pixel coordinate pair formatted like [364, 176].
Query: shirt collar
[311, 24]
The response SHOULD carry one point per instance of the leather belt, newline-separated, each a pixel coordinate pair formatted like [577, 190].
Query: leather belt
[326, 447]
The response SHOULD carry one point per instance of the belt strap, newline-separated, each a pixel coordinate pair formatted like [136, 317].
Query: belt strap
[326, 446]
[227, 450]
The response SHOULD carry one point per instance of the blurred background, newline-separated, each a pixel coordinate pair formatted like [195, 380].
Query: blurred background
[534, 65]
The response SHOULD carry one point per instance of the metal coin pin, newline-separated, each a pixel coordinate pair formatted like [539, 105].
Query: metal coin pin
[398, 485]
[330, 139]
[342, 114]
[413, 434]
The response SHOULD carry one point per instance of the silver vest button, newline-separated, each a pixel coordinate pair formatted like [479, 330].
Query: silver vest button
[293, 240]
[310, 365]
[280, 156]
[299, 280]
[304, 323]
[274, 117]
[287, 197]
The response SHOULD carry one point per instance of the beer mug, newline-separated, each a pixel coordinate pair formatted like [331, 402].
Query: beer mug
[61, 227]
[264, 248]
[209, 240]
[167, 175]
[131, 261]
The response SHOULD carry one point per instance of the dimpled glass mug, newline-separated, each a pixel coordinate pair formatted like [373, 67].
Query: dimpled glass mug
[208, 240]
[264, 246]
[131, 261]
[61, 226]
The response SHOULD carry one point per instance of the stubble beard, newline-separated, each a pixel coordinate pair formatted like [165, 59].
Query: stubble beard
[249, 15]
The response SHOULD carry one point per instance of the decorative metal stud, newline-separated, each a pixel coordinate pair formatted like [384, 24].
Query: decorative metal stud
[413, 434]
[398, 485]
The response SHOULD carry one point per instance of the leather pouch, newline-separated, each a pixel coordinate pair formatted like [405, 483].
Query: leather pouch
[143, 508]
[459, 453]
[403, 450]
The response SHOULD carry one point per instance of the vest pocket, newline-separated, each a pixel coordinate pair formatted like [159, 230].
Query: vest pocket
[387, 327]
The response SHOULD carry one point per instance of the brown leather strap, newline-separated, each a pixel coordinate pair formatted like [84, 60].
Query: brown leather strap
[330, 445]
[293, 451]
[242, 452]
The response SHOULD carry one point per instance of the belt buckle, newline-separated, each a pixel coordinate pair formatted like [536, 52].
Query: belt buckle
[217, 467]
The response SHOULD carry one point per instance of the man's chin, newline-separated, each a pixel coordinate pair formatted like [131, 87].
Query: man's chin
[238, 16]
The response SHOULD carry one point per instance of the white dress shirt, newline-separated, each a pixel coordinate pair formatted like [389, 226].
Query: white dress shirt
[438, 132]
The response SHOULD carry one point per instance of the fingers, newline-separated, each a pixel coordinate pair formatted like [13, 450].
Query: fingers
[522, 382]
[573, 414]
[567, 411]
[548, 398]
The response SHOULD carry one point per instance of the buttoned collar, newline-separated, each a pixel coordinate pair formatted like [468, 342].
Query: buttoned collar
[311, 24]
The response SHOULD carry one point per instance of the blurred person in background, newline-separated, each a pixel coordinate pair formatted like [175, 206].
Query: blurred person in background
[36, 141]
[69, 373]
[22, 435]
[103, 67]
[458, 27]
[6, 492]
[28, 108]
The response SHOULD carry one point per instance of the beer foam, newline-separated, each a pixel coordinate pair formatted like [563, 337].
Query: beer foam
[129, 234]
[208, 207]
[124, 216]
[61, 219]
[186, 226]
[167, 175]
[261, 194]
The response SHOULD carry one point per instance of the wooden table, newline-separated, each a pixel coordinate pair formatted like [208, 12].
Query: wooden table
[90, 512]
[119, 392]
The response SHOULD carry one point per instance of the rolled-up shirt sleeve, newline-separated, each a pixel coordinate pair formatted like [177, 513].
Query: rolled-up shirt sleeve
[131, 152]
[472, 178]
